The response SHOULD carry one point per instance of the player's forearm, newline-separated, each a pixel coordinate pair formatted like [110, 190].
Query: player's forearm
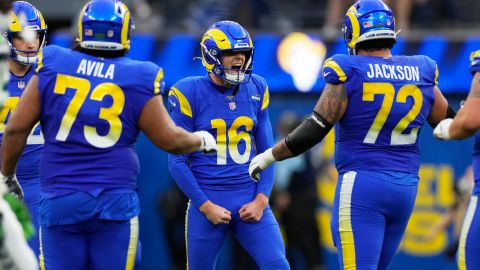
[467, 122]
[162, 131]
[175, 140]
[13, 142]
[182, 142]
[280, 151]
[310, 132]
[329, 109]
[262, 199]
[206, 206]
[462, 128]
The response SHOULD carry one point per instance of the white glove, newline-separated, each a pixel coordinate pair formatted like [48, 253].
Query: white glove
[259, 163]
[441, 130]
[13, 185]
[208, 142]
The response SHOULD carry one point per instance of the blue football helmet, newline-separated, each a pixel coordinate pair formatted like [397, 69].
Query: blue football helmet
[368, 20]
[25, 17]
[105, 25]
[222, 37]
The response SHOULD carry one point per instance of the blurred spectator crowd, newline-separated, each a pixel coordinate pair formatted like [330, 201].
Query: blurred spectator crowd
[285, 15]
[164, 17]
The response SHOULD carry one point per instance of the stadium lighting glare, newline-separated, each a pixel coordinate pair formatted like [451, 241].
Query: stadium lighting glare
[302, 57]
[27, 34]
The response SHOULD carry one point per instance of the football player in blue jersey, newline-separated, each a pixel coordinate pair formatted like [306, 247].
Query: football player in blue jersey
[378, 103]
[231, 103]
[464, 125]
[92, 102]
[5, 15]
[26, 20]
[15, 220]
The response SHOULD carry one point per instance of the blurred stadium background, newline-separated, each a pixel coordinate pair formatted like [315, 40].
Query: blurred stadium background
[292, 39]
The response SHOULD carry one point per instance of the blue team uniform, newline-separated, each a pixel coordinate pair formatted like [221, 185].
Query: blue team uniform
[89, 112]
[242, 128]
[377, 152]
[468, 249]
[28, 165]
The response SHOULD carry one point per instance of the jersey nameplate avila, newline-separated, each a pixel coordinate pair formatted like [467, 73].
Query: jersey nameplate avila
[96, 69]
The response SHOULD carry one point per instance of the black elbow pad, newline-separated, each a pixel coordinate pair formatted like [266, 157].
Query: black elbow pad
[450, 114]
[308, 133]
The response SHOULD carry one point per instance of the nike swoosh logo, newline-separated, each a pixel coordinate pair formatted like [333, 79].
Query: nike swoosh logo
[173, 103]
[325, 74]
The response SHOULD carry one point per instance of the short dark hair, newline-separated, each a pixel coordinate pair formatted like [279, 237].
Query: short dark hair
[376, 44]
[5, 6]
[99, 53]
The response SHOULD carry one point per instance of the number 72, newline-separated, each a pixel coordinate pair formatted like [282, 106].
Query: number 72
[388, 90]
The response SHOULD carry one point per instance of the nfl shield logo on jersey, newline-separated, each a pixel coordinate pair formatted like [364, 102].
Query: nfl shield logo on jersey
[21, 84]
[232, 105]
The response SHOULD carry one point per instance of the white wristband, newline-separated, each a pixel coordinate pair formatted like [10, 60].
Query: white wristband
[269, 158]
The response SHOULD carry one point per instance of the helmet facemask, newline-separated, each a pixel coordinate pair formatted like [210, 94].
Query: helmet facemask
[26, 57]
[238, 73]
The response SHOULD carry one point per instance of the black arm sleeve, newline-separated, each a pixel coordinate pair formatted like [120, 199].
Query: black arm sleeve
[450, 114]
[307, 134]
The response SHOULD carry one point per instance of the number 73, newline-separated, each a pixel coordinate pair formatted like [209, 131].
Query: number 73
[111, 114]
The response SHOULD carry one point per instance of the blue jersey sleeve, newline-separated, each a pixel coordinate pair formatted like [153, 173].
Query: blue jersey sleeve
[431, 76]
[336, 69]
[180, 98]
[264, 140]
[155, 78]
[45, 58]
[43, 54]
[48, 57]
[180, 109]
[183, 176]
[152, 83]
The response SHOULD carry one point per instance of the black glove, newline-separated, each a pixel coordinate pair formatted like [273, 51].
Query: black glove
[12, 185]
